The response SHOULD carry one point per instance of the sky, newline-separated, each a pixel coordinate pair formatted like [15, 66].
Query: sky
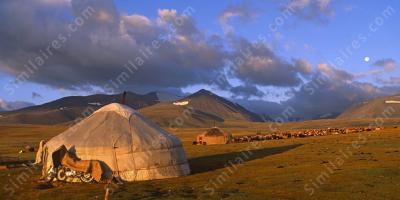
[266, 55]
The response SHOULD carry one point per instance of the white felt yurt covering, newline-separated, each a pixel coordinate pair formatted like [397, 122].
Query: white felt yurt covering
[132, 146]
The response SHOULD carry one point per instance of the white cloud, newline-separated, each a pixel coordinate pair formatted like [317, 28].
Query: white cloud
[312, 10]
[380, 67]
[388, 65]
[334, 73]
[241, 11]
[303, 66]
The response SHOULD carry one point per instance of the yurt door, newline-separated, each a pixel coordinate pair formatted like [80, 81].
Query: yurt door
[124, 160]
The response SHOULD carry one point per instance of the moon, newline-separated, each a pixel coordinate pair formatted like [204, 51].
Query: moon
[366, 59]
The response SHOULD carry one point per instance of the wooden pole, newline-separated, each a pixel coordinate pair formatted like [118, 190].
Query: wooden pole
[106, 195]
[123, 100]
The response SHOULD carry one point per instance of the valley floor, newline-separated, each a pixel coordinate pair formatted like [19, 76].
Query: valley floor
[353, 166]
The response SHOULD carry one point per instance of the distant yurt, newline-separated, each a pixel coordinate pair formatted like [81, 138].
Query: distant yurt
[214, 136]
[131, 146]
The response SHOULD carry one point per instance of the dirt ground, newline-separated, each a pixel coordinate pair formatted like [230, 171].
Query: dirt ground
[353, 166]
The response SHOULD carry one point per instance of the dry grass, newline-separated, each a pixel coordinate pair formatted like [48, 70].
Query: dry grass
[277, 169]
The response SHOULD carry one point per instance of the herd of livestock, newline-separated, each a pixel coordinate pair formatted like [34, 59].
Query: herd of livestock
[302, 134]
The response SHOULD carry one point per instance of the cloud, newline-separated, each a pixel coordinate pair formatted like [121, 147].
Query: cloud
[334, 73]
[328, 92]
[311, 10]
[323, 95]
[246, 91]
[393, 80]
[167, 52]
[256, 63]
[116, 52]
[303, 66]
[387, 65]
[380, 67]
[243, 12]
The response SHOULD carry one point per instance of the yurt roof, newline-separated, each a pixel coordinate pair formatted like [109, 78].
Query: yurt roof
[122, 110]
[215, 131]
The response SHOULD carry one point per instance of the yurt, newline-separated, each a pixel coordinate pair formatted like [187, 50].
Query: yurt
[131, 146]
[214, 136]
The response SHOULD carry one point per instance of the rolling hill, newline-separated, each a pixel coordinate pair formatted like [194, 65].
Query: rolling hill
[200, 109]
[385, 107]
[69, 108]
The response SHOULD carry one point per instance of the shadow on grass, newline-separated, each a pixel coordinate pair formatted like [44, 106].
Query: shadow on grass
[218, 161]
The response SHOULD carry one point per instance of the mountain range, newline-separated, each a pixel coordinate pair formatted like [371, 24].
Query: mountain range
[13, 105]
[382, 107]
[205, 108]
[69, 108]
[200, 109]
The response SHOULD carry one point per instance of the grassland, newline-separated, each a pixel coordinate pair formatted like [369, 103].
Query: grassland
[353, 166]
